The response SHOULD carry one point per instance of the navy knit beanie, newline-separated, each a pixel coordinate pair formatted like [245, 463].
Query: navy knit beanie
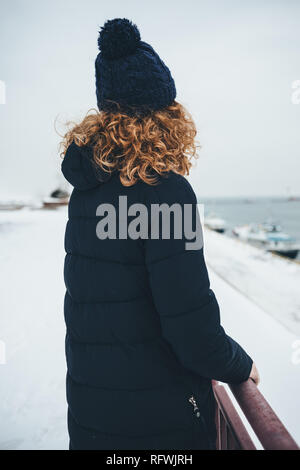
[130, 76]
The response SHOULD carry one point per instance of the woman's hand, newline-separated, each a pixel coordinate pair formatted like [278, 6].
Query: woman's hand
[254, 374]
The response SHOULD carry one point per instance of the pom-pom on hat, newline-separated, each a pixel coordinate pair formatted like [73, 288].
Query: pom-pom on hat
[130, 76]
[118, 38]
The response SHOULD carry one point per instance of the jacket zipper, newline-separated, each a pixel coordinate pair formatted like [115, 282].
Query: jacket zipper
[198, 415]
[196, 409]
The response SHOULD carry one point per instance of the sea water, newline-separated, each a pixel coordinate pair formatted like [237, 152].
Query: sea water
[240, 211]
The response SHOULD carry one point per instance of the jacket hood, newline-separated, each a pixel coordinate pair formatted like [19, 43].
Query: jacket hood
[80, 170]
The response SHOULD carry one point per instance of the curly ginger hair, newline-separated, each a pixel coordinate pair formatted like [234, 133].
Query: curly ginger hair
[138, 146]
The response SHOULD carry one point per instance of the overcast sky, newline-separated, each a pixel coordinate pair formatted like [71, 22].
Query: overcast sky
[233, 62]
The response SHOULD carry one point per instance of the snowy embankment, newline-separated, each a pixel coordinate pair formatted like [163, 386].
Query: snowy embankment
[270, 281]
[32, 393]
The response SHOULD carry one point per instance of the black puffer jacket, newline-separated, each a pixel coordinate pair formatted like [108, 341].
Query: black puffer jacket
[143, 326]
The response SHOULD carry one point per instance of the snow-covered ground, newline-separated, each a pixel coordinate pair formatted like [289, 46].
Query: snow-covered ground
[269, 280]
[32, 392]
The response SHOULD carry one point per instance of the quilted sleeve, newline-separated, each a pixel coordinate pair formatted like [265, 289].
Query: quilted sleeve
[188, 309]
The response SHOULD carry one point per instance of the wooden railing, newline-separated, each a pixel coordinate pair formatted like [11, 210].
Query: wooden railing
[231, 432]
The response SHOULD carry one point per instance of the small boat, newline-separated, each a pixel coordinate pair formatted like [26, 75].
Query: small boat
[270, 237]
[294, 199]
[52, 203]
[57, 199]
[215, 223]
